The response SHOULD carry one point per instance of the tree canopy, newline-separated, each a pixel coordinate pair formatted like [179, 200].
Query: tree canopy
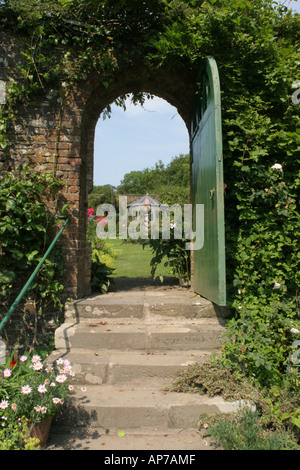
[170, 182]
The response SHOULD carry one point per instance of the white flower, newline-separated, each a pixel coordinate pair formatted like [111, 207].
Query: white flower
[35, 358]
[26, 389]
[23, 358]
[295, 331]
[61, 378]
[44, 410]
[277, 166]
[42, 389]
[277, 285]
[37, 366]
[67, 369]
[3, 404]
[56, 400]
[60, 361]
[38, 408]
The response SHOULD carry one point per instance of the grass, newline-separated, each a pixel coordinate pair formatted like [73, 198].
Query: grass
[133, 260]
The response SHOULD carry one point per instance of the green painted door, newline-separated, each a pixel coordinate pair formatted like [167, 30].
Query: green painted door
[208, 188]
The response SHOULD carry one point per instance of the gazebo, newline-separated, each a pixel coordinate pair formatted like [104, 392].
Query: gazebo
[145, 202]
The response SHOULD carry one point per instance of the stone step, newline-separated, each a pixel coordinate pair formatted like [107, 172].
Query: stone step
[123, 407]
[140, 336]
[114, 366]
[160, 305]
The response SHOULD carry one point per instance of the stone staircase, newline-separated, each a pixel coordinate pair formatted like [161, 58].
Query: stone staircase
[125, 347]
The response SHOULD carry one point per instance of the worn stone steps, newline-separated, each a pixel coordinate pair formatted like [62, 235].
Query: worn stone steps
[126, 347]
[139, 337]
[112, 366]
[144, 406]
[140, 304]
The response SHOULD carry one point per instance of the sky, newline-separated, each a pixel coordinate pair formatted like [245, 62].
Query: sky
[139, 137]
[136, 139]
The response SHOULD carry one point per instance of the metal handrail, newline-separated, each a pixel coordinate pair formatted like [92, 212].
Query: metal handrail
[28, 283]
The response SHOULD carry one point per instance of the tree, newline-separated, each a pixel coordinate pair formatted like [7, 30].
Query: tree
[103, 194]
[153, 181]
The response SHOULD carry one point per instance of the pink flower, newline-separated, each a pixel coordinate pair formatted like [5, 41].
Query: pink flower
[90, 213]
[6, 373]
[42, 389]
[61, 378]
[37, 366]
[4, 404]
[36, 358]
[26, 389]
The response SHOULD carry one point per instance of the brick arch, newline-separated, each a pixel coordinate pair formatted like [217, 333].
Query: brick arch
[56, 132]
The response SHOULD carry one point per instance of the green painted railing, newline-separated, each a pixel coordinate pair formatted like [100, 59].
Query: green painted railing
[30, 280]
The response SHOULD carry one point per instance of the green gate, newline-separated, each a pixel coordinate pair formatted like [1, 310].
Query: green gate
[207, 183]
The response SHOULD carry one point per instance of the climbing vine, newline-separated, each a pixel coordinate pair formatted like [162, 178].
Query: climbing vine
[256, 46]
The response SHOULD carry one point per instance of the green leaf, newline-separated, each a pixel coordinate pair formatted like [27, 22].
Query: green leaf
[31, 255]
[10, 204]
[296, 422]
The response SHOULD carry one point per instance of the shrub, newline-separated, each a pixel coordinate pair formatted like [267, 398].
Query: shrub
[177, 257]
[244, 432]
[26, 231]
[31, 390]
[260, 342]
[15, 436]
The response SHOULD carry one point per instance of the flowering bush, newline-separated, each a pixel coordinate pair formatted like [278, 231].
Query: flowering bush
[30, 390]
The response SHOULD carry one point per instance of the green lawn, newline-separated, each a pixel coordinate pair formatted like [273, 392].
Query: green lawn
[134, 260]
